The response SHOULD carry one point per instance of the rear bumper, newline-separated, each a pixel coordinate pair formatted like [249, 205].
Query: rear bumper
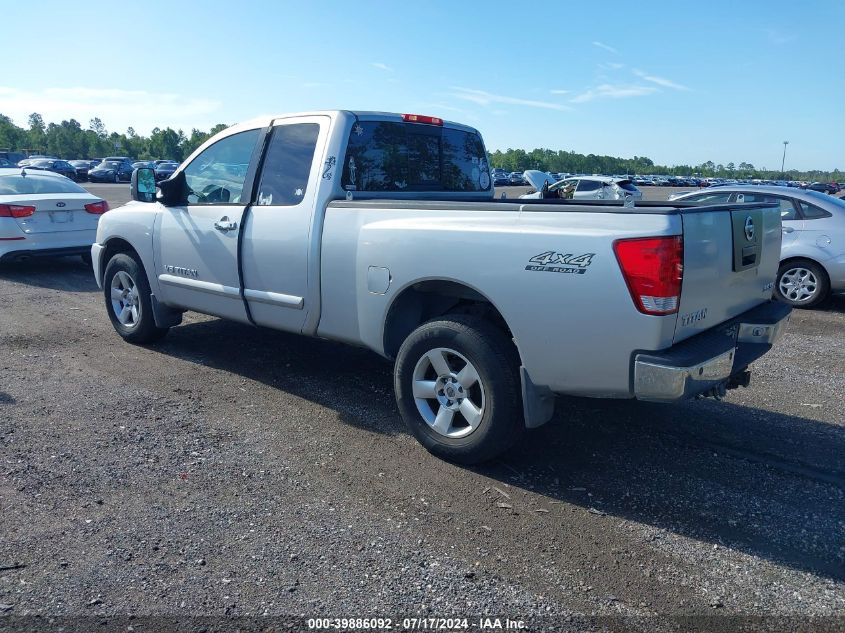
[709, 359]
[24, 254]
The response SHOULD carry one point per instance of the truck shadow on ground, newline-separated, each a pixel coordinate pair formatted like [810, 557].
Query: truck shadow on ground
[760, 482]
[70, 274]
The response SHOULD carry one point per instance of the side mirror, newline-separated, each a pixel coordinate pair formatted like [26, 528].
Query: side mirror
[142, 186]
[174, 190]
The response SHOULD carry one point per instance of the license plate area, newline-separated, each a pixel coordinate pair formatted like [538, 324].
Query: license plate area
[61, 217]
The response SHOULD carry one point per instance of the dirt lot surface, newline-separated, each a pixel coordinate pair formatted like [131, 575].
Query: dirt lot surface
[230, 471]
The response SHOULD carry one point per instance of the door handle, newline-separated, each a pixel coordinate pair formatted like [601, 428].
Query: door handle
[787, 229]
[225, 225]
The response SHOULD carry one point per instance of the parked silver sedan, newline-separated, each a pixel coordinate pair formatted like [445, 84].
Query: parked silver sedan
[813, 250]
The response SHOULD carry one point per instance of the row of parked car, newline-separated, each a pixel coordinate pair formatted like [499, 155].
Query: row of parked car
[692, 181]
[501, 178]
[109, 169]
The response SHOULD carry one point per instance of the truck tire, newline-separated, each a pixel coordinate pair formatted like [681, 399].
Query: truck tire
[802, 283]
[127, 294]
[458, 388]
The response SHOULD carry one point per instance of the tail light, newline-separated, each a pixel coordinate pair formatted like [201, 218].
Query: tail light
[15, 211]
[97, 208]
[653, 268]
[419, 118]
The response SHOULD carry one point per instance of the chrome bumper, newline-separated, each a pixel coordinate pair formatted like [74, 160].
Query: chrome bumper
[709, 359]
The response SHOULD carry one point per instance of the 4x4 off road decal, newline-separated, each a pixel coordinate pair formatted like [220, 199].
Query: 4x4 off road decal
[552, 262]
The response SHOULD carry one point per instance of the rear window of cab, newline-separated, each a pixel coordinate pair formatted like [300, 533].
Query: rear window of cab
[389, 156]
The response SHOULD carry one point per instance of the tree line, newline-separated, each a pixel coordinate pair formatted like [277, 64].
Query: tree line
[562, 161]
[69, 139]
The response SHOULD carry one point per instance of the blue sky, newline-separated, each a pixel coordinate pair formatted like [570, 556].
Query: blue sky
[679, 82]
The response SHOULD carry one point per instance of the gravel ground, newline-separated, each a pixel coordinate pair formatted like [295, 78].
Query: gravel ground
[229, 471]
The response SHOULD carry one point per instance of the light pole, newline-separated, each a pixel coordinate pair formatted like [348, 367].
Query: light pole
[783, 160]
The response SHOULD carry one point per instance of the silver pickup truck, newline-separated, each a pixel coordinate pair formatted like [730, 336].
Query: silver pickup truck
[382, 230]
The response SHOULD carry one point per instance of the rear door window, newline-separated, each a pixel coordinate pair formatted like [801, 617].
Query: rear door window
[287, 166]
[812, 212]
[787, 208]
[392, 156]
[588, 185]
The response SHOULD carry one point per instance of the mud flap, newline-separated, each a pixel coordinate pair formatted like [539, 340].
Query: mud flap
[164, 316]
[538, 404]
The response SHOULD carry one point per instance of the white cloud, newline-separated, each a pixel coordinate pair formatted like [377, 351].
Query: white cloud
[611, 66]
[611, 91]
[605, 47]
[117, 108]
[560, 92]
[382, 66]
[484, 98]
[660, 81]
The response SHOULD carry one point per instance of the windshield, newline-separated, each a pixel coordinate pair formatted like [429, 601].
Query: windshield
[41, 163]
[388, 156]
[109, 164]
[627, 185]
[17, 184]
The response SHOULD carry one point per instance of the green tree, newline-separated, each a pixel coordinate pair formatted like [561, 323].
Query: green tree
[11, 136]
[37, 133]
[166, 143]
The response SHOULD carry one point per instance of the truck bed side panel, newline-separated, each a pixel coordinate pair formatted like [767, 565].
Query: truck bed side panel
[565, 317]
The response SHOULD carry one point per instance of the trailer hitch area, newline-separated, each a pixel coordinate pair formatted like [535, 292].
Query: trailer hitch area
[740, 379]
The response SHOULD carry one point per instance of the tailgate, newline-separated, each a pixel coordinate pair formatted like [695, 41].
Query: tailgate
[731, 257]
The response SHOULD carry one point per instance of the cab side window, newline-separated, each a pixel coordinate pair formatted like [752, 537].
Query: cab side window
[287, 166]
[217, 175]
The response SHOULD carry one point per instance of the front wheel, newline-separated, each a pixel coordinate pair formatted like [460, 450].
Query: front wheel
[802, 283]
[127, 294]
[457, 387]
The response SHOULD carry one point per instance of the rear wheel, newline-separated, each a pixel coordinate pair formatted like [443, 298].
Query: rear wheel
[802, 283]
[458, 389]
[128, 303]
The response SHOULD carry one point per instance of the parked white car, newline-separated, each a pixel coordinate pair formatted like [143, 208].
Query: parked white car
[812, 258]
[42, 213]
[582, 187]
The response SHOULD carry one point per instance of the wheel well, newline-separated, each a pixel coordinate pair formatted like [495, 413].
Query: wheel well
[426, 300]
[798, 258]
[113, 247]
